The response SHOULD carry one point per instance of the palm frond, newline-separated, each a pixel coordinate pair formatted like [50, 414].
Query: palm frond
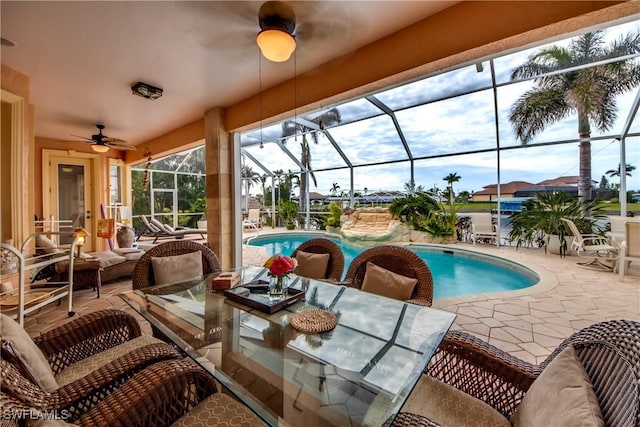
[536, 109]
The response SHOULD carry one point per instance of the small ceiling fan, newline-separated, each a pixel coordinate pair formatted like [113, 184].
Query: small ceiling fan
[101, 143]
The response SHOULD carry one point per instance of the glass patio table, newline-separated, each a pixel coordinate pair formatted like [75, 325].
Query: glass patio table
[358, 374]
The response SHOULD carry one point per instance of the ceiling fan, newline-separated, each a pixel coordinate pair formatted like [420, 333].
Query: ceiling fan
[101, 143]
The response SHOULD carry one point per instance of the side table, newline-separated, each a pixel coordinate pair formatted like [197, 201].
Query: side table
[86, 274]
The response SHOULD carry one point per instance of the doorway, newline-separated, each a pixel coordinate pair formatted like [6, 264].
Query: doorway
[70, 194]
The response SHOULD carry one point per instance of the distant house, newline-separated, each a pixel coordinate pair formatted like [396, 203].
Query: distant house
[315, 198]
[546, 189]
[490, 192]
[254, 203]
[566, 184]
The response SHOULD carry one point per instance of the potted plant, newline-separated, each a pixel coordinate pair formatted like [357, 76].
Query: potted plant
[202, 222]
[540, 221]
[333, 220]
[288, 212]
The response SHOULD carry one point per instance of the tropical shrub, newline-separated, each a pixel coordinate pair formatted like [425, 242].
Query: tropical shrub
[414, 209]
[422, 213]
[542, 217]
[335, 213]
[287, 211]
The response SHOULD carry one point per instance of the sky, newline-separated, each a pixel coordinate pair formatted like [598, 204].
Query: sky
[460, 124]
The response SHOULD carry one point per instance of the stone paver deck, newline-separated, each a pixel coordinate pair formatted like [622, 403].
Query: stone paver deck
[527, 323]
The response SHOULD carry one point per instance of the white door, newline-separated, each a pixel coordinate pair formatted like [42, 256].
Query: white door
[70, 194]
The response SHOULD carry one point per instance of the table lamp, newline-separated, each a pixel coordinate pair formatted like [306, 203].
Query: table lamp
[81, 235]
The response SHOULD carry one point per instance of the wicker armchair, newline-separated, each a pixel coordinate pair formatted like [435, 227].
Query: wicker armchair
[142, 276]
[608, 351]
[398, 260]
[100, 334]
[156, 396]
[325, 246]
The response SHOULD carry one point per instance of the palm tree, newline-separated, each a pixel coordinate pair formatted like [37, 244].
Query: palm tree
[263, 183]
[616, 172]
[411, 187]
[334, 188]
[292, 128]
[451, 178]
[250, 177]
[588, 93]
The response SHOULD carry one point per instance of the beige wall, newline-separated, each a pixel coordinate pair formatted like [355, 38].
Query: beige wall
[5, 171]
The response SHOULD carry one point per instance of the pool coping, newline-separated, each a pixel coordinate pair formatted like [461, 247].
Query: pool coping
[547, 280]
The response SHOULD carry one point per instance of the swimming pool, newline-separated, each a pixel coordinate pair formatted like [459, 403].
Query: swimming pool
[455, 271]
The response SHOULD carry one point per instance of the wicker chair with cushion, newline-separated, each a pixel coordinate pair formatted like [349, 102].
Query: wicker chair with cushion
[169, 393]
[320, 267]
[592, 378]
[401, 274]
[79, 363]
[143, 273]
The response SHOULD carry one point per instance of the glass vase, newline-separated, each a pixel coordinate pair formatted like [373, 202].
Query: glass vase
[278, 287]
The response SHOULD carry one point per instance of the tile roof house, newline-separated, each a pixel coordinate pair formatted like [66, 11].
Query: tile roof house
[490, 192]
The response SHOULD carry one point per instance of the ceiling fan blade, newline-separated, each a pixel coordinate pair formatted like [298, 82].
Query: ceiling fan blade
[82, 137]
[114, 140]
[118, 146]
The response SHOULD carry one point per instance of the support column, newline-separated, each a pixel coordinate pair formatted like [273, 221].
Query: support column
[219, 164]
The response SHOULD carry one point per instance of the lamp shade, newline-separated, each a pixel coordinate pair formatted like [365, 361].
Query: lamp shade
[99, 148]
[276, 45]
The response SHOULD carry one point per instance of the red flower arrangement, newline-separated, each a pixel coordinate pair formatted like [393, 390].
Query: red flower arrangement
[280, 265]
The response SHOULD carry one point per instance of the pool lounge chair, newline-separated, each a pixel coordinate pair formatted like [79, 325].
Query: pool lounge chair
[630, 248]
[152, 230]
[177, 233]
[252, 220]
[482, 228]
[593, 247]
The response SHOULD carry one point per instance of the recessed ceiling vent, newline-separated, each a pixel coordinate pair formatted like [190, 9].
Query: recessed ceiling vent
[146, 91]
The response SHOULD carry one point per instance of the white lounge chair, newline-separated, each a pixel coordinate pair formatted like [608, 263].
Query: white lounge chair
[253, 220]
[482, 228]
[594, 247]
[630, 248]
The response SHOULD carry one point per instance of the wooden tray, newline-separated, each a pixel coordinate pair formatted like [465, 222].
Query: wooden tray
[260, 299]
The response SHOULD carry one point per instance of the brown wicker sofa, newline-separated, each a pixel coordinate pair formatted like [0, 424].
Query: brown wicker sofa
[480, 374]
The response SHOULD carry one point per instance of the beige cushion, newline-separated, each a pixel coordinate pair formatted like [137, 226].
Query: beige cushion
[177, 268]
[87, 365]
[108, 258]
[561, 396]
[32, 358]
[378, 280]
[46, 244]
[219, 410]
[313, 266]
[451, 407]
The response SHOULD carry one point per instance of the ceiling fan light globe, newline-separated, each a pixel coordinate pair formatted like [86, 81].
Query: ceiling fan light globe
[276, 45]
[99, 148]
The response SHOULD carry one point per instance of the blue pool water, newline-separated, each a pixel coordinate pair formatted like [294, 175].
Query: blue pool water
[455, 271]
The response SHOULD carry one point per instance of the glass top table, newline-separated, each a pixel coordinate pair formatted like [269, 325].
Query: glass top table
[358, 374]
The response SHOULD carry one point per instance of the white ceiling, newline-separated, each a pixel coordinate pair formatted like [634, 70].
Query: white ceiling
[83, 57]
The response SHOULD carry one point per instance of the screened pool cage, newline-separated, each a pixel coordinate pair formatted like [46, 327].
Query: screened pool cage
[448, 134]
